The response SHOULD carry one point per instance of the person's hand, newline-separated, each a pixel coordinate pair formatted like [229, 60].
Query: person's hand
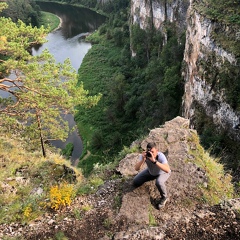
[144, 155]
[142, 158]
[152, 157]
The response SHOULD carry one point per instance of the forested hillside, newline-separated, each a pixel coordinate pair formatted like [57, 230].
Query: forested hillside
[139, 73]
[139, 92]
[37, 93]
[142, 79]
[26, 10]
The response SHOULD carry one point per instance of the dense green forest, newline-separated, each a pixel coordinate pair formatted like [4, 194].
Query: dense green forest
[138, 93]
[142, 92]
[26, 10]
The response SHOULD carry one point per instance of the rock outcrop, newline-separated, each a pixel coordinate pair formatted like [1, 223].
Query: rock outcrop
[138, 207]
[176, 140]
[119, 211]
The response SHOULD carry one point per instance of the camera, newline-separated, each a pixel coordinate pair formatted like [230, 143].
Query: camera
[148, 154]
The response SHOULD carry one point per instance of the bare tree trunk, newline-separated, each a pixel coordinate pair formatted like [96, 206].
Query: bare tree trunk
[40, 133]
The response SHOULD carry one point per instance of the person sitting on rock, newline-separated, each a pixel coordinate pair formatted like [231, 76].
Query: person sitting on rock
[157, 168]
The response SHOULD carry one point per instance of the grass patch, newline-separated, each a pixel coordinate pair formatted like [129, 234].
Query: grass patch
[219, 183]
[90, 186]
[60, 236]
[27, 179]
[86, 208]
[226, 11]
[49, 20]
[152, 219]
[117, 201]
[223, 12]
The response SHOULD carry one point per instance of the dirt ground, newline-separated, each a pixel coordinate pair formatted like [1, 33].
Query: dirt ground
[119, 211]
[108, 220]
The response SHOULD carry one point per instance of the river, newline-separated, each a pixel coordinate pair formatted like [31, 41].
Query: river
[68, 42]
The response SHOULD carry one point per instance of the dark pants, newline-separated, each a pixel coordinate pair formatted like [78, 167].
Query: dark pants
[145, 176]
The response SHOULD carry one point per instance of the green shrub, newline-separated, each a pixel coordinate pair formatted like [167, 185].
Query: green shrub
[67, 151]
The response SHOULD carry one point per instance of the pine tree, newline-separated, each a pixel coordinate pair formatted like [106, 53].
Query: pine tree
[40, 90]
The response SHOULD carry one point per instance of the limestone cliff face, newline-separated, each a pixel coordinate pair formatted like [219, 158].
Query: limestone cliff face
[204, 60]
[156, 12]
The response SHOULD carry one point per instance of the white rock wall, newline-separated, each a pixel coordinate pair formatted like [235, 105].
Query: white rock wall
[159, 11]
[198, 44]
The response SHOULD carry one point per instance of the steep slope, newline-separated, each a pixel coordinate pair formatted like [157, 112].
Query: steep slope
[208, 68]
[119, 211]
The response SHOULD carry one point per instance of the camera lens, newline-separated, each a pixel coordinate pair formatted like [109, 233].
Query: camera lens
[148, 154]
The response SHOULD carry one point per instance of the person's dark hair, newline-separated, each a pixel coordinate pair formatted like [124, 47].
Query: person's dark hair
[151, 145]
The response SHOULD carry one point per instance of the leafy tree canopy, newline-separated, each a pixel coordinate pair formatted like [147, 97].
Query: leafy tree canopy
[39, 90]
[26, 10]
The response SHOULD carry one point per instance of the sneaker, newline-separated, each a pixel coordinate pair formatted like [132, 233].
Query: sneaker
[162, 202]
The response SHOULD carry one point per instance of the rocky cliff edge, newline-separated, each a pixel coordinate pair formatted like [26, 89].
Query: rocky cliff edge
[119, 211]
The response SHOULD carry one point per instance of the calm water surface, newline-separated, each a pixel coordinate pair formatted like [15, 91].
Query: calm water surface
[61, 48]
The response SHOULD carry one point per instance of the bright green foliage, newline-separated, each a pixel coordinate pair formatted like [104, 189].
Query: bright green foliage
[67, 151]
[138, 93]
[27, 199]
[3, 6]
[40, 90]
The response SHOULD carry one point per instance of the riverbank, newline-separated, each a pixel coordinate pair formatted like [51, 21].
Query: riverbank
[59, 25]
[98, 11]
[50, 20]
